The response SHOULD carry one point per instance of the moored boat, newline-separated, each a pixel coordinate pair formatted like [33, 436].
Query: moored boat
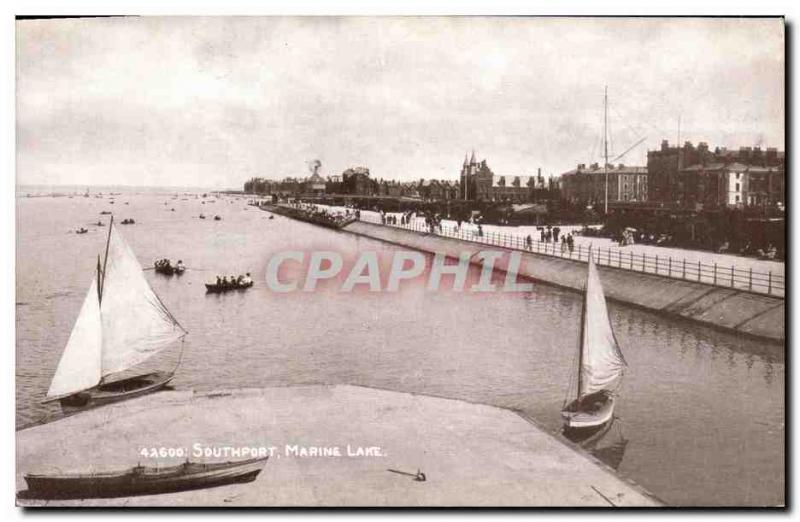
[121, 324]
[600, 361]
[142, 480]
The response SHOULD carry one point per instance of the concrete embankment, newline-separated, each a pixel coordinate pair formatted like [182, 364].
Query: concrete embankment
[734, 310]
[472, 455]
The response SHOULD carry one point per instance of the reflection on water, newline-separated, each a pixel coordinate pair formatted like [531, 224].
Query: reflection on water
[606, 442]
[703, 410]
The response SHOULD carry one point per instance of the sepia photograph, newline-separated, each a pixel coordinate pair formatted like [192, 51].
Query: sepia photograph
[400, 261]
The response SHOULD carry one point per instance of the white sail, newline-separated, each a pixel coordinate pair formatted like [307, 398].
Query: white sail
[602, 362]
[136, 325]
[79, 367]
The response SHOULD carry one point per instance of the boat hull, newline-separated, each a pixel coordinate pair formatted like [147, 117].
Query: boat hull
[116, 391]
[576, 417]
[217, 289]
[143, 480]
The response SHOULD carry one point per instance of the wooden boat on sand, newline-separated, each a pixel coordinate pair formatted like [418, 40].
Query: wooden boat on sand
[142, 480]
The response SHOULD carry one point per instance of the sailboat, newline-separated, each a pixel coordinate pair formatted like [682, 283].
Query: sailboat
[600, 361]
[121, 324]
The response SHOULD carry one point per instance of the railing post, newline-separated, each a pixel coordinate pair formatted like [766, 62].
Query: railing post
[733, 273]
[715, 273]
[669, 270]
[769, 283]
[656, 265]
[699, 272]
[580, 250]
[750, 280]
[631, 259]
[684, 268]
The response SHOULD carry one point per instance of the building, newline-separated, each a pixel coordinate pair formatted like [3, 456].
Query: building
[588, 185]
[691, 176]
[477, 182]
[357, 181]
[438, 190]
[315, 184]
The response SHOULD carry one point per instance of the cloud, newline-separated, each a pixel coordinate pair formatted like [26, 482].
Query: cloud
[212, 101]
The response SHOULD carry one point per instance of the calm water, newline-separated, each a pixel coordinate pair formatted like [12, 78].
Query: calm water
[701, 417]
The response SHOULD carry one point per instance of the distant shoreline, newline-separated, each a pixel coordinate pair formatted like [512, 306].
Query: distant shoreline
[79, 190]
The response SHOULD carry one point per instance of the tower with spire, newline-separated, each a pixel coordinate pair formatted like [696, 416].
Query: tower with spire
[476, 178]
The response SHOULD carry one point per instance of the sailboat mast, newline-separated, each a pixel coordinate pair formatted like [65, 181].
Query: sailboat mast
[605, 145]
[580, 342]
[105, 259]
[99, 277]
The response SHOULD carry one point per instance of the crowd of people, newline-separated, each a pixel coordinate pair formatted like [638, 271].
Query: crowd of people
[323, 216]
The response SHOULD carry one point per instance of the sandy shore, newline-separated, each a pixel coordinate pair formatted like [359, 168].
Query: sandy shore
[472, 455]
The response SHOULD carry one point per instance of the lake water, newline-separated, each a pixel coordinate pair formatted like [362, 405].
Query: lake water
[701, 413]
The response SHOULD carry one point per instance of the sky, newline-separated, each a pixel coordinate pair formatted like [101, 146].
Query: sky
[214, 101]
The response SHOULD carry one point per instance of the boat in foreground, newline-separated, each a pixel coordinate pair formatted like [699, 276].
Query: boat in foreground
[600, 361]
[142, 480]
[121, 324]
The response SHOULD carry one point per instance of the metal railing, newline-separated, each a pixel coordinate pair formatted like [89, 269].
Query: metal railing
[665, 266]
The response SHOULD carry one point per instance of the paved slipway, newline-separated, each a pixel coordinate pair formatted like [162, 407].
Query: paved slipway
[472, 455]
[758, 315]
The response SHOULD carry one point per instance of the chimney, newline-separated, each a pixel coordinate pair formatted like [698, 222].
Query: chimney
[688, 145]
[664, 144]
[594, 166]
[621, 166]
[772, 156]
[702, 146]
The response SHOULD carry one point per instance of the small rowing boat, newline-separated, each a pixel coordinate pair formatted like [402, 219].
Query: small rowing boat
[142, 480]
[214, 288]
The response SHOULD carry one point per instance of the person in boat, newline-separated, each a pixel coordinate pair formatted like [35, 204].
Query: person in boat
[239, 279]
[247, 280]
[219, 281]
[224, 281]
[179, 265]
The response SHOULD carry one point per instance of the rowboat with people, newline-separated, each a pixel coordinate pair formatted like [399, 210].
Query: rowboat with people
[223, 284]
[165, 267]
